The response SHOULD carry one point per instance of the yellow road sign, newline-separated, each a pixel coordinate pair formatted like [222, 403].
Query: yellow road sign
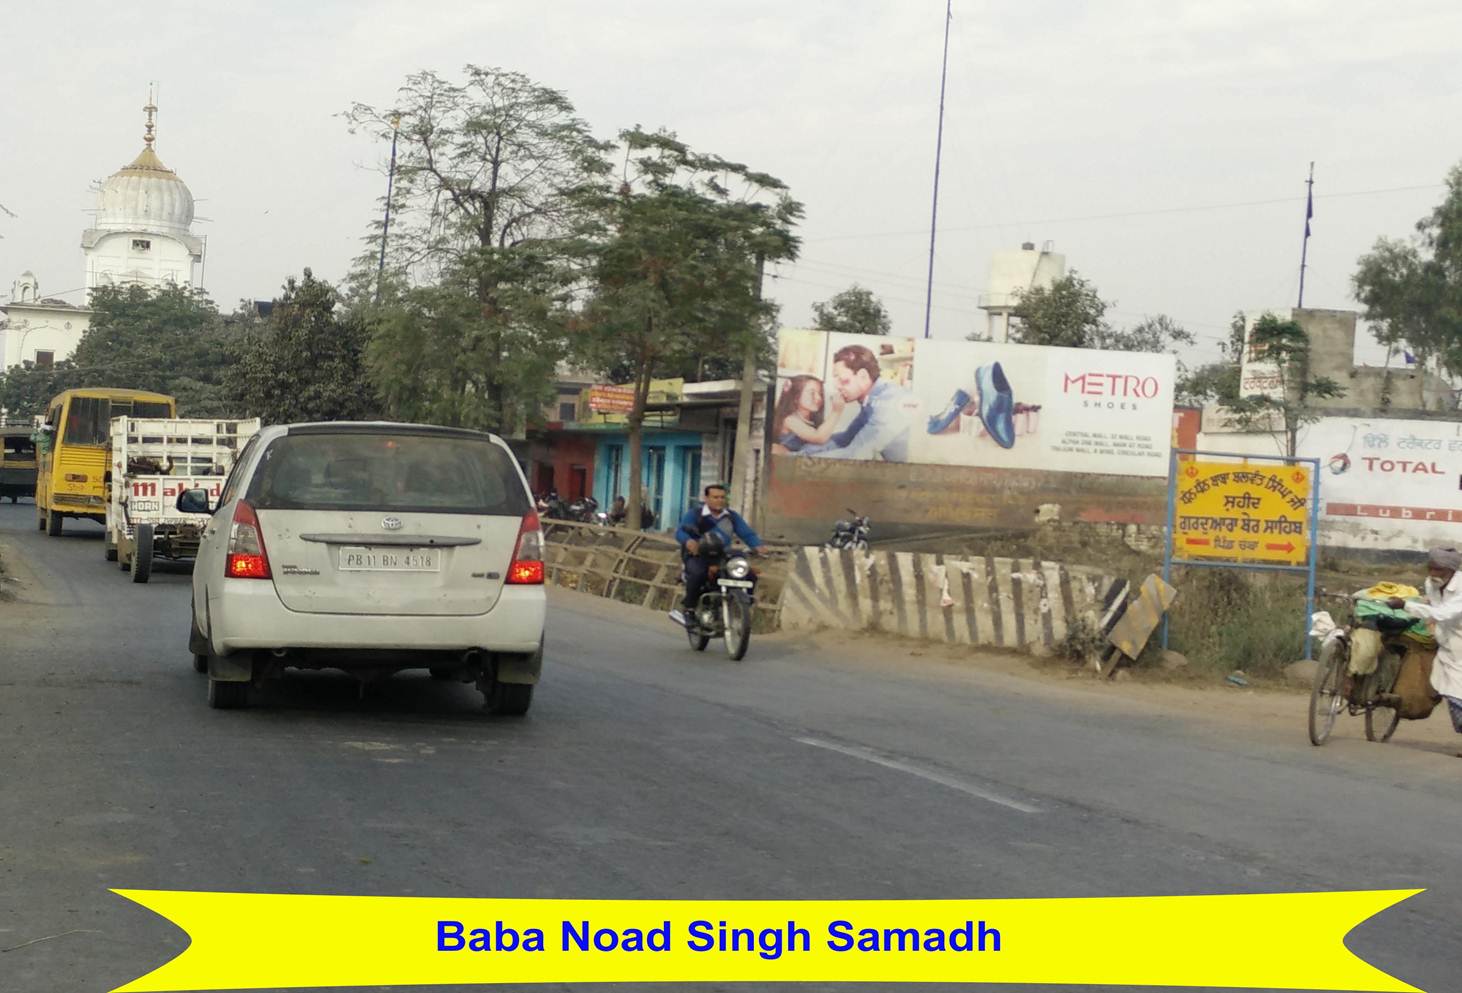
[1229, 511]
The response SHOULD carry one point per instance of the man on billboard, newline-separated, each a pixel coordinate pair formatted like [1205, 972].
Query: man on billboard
[881, 428]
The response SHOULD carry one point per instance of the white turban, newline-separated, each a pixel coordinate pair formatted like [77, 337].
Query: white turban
[1445, 558]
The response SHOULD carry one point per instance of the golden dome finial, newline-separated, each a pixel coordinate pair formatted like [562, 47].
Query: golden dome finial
[149, 110]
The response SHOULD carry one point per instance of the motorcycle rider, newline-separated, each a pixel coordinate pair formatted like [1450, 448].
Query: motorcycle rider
[1443, 609]
[693, 527]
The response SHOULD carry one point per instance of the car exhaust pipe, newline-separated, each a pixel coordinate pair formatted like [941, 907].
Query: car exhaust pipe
[280, 653]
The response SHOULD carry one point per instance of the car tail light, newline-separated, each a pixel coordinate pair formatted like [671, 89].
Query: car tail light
[247, 558]
[527, 566]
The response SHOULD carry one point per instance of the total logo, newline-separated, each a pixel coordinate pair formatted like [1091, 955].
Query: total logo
[1339, 464]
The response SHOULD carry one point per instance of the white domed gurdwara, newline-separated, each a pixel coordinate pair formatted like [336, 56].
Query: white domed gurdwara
[142, 232]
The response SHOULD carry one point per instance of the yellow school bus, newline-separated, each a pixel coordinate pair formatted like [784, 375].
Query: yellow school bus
[72, 450]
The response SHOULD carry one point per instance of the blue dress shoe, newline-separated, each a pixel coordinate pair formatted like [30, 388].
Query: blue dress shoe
[997, 405]
[941, 421]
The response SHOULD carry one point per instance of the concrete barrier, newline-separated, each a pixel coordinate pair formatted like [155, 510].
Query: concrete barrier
[1003, 603]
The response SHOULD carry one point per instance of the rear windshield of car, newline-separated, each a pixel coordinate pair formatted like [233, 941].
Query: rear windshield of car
[426, 473]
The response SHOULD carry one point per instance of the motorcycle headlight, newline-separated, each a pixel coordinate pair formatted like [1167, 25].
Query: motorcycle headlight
[738, 568]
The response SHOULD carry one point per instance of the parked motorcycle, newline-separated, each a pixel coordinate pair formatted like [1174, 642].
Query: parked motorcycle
[724, 608]
[851, 533]
[584, 510]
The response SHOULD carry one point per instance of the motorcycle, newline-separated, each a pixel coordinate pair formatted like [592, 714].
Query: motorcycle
[584, 510]
[851, 533]
[724, 608]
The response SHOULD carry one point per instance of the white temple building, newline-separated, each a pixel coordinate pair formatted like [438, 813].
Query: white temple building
[142, 234]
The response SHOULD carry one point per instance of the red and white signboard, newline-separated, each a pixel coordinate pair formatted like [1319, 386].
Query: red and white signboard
[1388, 484]
[611, 399]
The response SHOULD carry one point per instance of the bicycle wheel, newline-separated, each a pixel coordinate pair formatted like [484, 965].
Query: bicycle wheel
[1381, 723]
[1325, 700]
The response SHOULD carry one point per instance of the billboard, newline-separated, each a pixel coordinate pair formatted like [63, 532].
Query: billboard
[609, 406]
[1399, 480]
[963, 403]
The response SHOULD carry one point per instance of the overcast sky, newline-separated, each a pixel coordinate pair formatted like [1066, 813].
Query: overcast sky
[1162, 147]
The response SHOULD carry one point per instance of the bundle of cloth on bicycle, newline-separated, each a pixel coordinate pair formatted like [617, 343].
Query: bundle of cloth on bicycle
[1376, 623]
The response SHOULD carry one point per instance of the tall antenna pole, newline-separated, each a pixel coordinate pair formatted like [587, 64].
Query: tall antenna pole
[390, 186]
[938, 151]
[1305, 248]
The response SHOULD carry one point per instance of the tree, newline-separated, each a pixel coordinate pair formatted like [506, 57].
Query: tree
[853, 311]
[1412, 290]
[1286, 346]
[434, 356]
[675, 263]
[1216, 381]
[1069, 313]
[25, 389]
[305, 363]
[168, 340]
[488, 171]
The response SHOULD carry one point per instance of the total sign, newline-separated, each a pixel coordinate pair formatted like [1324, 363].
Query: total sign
[1387, 481]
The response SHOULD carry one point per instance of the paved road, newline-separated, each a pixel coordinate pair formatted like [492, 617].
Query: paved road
[644, 771]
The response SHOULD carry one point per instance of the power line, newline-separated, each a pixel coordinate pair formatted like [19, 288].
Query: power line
[1135, 213]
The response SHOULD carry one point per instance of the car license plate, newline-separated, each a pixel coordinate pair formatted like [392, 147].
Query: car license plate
[356, 558]
[741, 584]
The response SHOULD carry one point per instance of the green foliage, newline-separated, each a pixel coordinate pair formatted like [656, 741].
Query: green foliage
[25, 389]
[1070, 313]
[1226, 620]
[673, 262]
[306, 362]
[1292, 404]
[1412, 290]
[853, 311]
[1216, 381]
[437, 355]
[491, 177]
[168, 340]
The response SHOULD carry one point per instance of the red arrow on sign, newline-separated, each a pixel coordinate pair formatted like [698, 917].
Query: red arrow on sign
[1196, 541]
[1288, 546]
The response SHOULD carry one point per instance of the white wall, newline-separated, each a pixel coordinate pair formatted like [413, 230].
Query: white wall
[39, 329]
[113, 259]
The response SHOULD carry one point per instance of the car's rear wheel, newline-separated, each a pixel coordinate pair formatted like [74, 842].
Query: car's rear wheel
[197, 645]
[509, 699]
[53, 524]
[227, 696]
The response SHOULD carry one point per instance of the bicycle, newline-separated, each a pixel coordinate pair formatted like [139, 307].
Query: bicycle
[1336, 688]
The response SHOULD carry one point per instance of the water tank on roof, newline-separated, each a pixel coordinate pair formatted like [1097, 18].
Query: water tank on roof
[1013, 272]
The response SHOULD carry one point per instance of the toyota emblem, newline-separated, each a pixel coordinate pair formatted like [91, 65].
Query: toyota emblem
[391, 523]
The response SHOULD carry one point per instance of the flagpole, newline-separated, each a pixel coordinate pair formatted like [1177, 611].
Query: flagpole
[1305, 246]
[938, 150]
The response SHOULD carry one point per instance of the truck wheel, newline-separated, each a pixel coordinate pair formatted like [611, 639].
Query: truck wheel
[40, 519]
[53, 523]
[142, 554]
[111, 546]
[227, 696]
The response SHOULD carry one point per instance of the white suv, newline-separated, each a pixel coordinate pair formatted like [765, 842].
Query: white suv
[370, 547]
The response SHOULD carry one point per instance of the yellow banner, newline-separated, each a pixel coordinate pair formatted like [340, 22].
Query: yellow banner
[1291, 941]
[1242, 513]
